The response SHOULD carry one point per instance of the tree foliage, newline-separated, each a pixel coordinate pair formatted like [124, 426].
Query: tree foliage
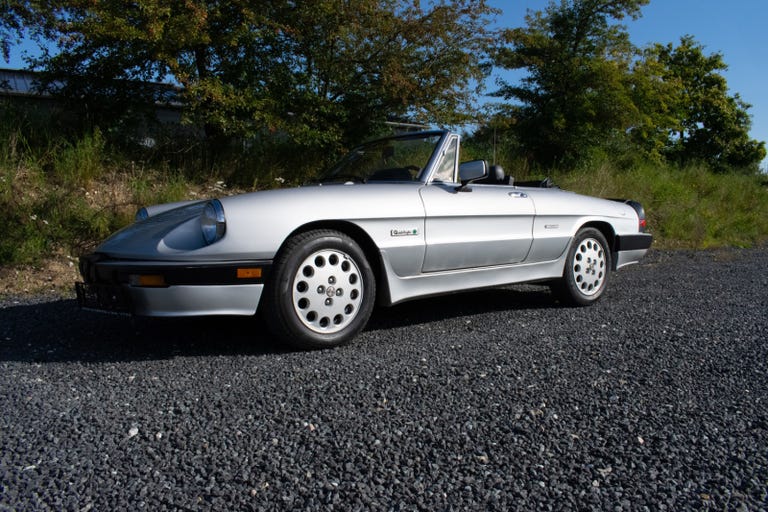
[588, 89]
[575, 94]
[695, 117]
[322, 72]
[10, 26]
[15, 16]
[327, 73]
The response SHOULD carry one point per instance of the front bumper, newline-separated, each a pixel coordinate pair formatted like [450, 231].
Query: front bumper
[175, 289]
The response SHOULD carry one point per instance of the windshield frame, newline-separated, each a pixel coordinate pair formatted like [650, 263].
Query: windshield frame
[335, 173]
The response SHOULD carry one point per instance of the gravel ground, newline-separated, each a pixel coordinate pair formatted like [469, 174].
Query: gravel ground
[654, 399]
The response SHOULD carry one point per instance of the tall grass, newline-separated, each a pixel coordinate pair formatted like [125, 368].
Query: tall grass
[686, 208]
[82, 161]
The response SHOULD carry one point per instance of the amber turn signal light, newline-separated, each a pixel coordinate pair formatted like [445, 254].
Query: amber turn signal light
[248, 273]
[147, 280]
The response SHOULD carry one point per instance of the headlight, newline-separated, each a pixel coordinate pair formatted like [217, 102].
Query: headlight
[212, 221]
[142, 214]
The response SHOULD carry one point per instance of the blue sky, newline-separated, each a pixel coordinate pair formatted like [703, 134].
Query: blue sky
[738, 29]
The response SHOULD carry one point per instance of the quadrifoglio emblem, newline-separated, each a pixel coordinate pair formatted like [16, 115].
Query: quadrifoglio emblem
[404, 232]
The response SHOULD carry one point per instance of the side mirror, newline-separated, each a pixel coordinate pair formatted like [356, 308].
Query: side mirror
[471, 171]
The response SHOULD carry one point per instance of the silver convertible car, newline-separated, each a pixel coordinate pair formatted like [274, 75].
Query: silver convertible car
[396, 219]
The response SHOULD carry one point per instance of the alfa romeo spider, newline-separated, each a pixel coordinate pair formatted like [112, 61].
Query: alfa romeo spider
[398, 218]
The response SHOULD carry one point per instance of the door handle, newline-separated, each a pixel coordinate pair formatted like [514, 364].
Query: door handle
[518, 195]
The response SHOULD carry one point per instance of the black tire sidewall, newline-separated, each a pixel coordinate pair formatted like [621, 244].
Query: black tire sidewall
[282, 318]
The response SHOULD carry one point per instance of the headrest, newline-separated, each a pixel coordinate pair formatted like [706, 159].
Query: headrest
[496, 173]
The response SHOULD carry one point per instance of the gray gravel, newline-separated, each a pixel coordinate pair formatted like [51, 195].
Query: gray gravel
[654, 399]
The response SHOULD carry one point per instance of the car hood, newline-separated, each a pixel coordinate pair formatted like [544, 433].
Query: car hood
[258, 222]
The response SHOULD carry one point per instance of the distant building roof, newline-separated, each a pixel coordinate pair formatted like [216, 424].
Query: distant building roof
[19, 82]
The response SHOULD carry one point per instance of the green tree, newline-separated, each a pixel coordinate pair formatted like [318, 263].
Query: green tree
[699, 120]
[358, 62]
[576, 95]
[322, 72]
[15, 17]
[658, 118]
[11, 23]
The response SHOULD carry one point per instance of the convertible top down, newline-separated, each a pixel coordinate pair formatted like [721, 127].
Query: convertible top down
[396, 219]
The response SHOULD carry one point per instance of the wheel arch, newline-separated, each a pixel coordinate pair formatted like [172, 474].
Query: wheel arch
[608, 232]
[361, 238]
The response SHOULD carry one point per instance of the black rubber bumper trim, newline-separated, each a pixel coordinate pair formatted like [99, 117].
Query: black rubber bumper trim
[634, 242]
[105, 271]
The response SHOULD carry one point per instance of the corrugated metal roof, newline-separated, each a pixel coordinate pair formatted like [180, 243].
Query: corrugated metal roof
[18, 82]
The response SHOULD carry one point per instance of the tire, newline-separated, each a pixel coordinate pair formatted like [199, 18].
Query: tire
[322, 290]
[587, 269]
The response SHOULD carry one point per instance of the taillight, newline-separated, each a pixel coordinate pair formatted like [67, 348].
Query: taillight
[641, 224]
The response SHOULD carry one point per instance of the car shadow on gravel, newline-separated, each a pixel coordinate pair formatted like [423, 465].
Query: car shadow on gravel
[463, 304]
[58, 331]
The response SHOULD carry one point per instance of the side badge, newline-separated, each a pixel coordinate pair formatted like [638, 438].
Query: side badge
[404, 232]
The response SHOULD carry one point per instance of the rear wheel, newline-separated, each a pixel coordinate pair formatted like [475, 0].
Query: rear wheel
[322, 290]
[587, 267]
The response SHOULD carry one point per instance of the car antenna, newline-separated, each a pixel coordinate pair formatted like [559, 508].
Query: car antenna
[494, 145]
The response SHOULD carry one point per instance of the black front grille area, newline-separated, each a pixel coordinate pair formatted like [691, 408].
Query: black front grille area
[92, 272]
[103, 297]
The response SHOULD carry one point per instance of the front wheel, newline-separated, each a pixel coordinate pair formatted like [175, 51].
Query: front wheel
[322, 290]
[587, 268]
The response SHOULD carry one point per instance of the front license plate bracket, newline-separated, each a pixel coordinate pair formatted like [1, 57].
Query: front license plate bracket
[103, 297]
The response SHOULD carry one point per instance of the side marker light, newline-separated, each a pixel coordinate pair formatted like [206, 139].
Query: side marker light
[248, 273]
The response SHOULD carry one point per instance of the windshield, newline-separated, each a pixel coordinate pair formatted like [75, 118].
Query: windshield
[395, 159]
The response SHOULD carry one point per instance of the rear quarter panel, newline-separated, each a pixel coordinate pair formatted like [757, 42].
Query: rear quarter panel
[560, 214]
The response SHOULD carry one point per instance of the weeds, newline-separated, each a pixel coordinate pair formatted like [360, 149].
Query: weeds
[76, 164]
[65, 193]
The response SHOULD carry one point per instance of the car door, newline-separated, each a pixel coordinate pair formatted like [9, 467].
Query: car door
[489, 225]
